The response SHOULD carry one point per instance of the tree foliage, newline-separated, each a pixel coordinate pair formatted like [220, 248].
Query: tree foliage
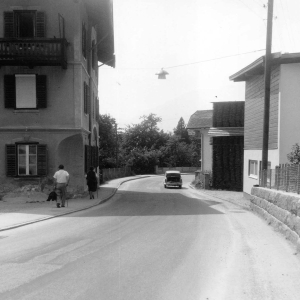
[182, 132]
[107, 144]
[294, 156]
[143, 146]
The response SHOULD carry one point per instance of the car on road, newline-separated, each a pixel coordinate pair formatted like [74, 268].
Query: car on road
[173, 178]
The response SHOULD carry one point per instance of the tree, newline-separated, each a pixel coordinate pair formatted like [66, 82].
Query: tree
[181, 131]
[294, 155]
[144, 135]
[108, 142]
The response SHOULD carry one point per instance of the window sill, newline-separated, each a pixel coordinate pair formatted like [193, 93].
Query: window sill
[20, 111]
[253, 176]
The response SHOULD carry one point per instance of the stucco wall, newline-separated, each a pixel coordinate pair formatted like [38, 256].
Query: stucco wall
[279, 209]
[273, 157]
[206, 151]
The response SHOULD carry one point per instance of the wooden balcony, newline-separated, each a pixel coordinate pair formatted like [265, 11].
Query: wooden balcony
[33, 52]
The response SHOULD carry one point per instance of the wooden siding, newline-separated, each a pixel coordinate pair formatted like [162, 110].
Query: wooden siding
[254, 111]
[228, 114]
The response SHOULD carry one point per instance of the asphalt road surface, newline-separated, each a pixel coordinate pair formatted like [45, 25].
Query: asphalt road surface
[152, 243]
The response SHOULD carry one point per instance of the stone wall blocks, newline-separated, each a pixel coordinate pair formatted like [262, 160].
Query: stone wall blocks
[281, 211]
[272, 196]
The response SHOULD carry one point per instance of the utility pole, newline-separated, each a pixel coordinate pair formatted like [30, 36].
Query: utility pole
[267, 79]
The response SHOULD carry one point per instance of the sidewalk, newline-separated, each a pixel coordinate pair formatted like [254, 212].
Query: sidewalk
[230, 196]
[21, 211]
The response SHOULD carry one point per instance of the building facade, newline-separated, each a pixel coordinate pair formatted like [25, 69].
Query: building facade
[284, 127]
[198, 126]
[49, 54]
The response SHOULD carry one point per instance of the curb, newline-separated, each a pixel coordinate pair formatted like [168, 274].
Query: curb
[73, 211]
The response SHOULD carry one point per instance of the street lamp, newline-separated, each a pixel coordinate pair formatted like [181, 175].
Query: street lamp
[162, 74]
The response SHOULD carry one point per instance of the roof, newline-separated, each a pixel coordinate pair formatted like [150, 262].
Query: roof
[257, 67]
[226, 131]
[101, 15]
[200, 119]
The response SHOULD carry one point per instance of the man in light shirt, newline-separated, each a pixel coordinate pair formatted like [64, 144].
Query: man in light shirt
[61, 181]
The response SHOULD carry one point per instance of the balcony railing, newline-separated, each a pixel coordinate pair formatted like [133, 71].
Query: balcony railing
[33, 52]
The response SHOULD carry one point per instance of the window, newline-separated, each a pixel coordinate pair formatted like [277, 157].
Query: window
[26, 160]
[253, 172]
[86, 100]
[25, 91]
[84, 43]
[24, 24]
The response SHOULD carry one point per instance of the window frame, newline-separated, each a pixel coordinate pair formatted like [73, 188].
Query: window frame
[27, 160]
[12, 160]
[254, 174]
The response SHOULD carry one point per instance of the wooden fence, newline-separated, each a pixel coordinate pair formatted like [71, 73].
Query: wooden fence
[284, 177]
[108, 174]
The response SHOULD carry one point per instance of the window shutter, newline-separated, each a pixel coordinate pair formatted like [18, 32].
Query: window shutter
[40, 25]
[11, 160]
[84, 97]
[88, 100]
[8, 24]
[42, 160]
[83, 40]
[41, 91]
[10, 91]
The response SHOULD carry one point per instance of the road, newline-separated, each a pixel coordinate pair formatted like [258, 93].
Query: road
[152, 243]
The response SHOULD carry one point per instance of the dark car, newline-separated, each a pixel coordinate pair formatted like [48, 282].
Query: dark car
[173, 178]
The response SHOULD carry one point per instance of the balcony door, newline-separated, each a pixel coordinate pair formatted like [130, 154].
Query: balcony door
[25, 23]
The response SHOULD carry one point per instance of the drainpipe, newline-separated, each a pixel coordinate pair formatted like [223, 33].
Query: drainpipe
[202, 152]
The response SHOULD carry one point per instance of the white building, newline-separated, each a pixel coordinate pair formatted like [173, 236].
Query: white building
[284, 125]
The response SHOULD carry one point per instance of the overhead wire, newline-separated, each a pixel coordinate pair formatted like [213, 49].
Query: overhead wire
[197, 62]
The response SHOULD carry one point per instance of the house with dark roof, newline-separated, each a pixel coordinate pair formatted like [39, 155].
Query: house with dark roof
[284, 125]
[198, 126]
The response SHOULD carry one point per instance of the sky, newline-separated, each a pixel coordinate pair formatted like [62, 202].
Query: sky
[200, 43]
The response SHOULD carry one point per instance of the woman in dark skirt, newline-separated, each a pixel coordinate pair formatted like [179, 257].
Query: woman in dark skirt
[92, 182]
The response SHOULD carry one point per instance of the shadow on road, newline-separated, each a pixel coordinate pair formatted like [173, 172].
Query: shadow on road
[128, 203]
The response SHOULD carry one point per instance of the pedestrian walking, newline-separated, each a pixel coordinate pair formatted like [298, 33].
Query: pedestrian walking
[61, 181]
[92, 182]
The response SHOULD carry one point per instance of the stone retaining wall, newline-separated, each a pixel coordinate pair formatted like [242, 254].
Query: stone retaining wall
[279, 209]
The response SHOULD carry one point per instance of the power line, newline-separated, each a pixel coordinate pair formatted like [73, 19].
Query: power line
[192, 63]
[222, 57]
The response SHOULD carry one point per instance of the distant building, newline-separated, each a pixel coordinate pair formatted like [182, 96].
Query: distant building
[284, 125]
[198, 126]
[227, 140]
[49, 54]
